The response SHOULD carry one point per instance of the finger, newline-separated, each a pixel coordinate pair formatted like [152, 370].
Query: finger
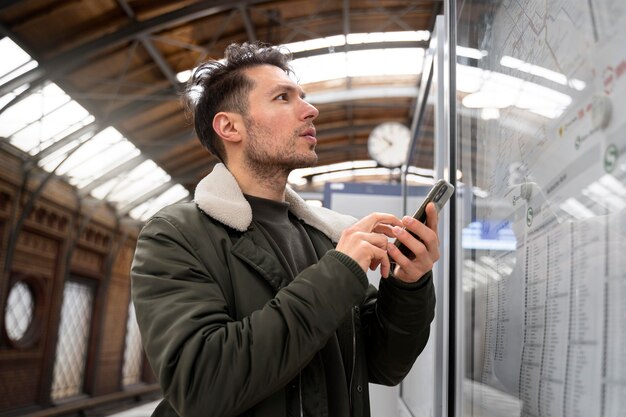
[427, 236]
[379, 255]
[358, 244]
[408, 270]
[402, 262]
[385, 229]
[369, 222]
[432, 217]
[385, 263]
[413, 241]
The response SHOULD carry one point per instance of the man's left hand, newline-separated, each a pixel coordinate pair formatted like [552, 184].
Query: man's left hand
[425, 249]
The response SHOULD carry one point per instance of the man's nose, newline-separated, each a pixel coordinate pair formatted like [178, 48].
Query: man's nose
[310, 111]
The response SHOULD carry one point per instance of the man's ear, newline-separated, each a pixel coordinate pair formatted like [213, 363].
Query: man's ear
[226, 125]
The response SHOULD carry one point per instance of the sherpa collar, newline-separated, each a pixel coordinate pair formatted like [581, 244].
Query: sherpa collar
[218, 195]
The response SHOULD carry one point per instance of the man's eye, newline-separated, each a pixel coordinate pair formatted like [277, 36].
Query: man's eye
[281, 96]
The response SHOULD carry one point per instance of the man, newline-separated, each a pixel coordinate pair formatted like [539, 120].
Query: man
[249, 301]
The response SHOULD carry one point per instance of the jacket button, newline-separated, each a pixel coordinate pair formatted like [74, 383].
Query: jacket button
[359, 388]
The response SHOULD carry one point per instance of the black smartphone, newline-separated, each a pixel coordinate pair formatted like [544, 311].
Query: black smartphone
[439, 195]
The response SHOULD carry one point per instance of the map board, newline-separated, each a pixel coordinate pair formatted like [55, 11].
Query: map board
[541, 90]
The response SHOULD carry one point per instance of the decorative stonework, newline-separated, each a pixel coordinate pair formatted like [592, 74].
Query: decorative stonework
[49, 218]
[88, 260]
[95, 236]
[6, 199]
[36, 245]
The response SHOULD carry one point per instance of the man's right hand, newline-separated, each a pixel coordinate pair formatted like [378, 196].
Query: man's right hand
[366, 241]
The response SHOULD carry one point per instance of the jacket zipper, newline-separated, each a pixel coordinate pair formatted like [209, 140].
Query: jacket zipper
[300, 393]
[355, 310]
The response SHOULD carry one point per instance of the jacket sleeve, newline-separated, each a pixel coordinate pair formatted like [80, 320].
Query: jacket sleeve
[397, 327]
[204, 359]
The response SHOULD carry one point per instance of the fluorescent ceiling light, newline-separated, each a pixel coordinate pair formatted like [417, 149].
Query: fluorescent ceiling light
[337, 96]
[494, 90]
[470, 52]
[518, 64]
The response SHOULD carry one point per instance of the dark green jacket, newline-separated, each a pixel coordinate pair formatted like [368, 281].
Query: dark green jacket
[223, 337]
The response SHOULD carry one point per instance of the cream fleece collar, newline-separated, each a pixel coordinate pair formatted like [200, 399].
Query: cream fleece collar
[219, 196]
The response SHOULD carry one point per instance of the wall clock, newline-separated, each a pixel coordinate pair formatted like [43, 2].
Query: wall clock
[388, 144]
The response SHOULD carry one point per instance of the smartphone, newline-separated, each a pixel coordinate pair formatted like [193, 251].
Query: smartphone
[439, 194]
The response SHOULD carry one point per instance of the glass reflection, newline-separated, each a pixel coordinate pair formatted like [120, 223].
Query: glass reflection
[541, 142]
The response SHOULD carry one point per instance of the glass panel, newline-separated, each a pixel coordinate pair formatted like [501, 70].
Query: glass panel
[373, 62]
[71, 352]
[19, 311]
[133, 352]
[6, 99]
[357, 38]
[395, 61]
[541, 121]
[147, 209]
[318, 43]
[47, 131]
[99, 154]
[333, 64]
[14, 60]
[49, 115]
[32, 108]
[131, 185]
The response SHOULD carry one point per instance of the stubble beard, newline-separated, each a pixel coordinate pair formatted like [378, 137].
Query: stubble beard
[271, 165]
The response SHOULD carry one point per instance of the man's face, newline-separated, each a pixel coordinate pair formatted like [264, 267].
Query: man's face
[279, 124]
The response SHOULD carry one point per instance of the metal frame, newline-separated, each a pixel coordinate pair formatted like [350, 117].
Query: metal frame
[455, 307]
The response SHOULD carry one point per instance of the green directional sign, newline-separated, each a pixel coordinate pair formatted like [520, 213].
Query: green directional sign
[610, 158]
[529, 216]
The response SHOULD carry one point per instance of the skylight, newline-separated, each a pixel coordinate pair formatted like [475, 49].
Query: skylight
[14, 60]
[42, 118]
[369, 62]
[357, 38]
[65, 138]
[99, 154]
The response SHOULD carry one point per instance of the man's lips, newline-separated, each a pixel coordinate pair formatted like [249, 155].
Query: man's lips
[309, 133]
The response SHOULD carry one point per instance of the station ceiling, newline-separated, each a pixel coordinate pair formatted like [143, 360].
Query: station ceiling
[124, 62]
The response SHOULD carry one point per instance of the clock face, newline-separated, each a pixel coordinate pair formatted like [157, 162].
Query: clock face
[388, 144]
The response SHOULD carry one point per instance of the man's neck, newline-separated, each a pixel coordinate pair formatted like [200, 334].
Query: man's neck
[267, 186]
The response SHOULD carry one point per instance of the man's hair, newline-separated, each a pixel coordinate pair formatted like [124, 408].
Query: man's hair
[222, 85]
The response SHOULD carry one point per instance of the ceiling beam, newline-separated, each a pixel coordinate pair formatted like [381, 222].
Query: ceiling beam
[351, 148]
[124, 210]
[296, 28]
[113, 173]
[91, 129]
[395, 17]
[361, 47]
[167, 143]
[160, 61]
[148, 45]
[5, 4]
[70, 59]
[245, 16]
[344, 130]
